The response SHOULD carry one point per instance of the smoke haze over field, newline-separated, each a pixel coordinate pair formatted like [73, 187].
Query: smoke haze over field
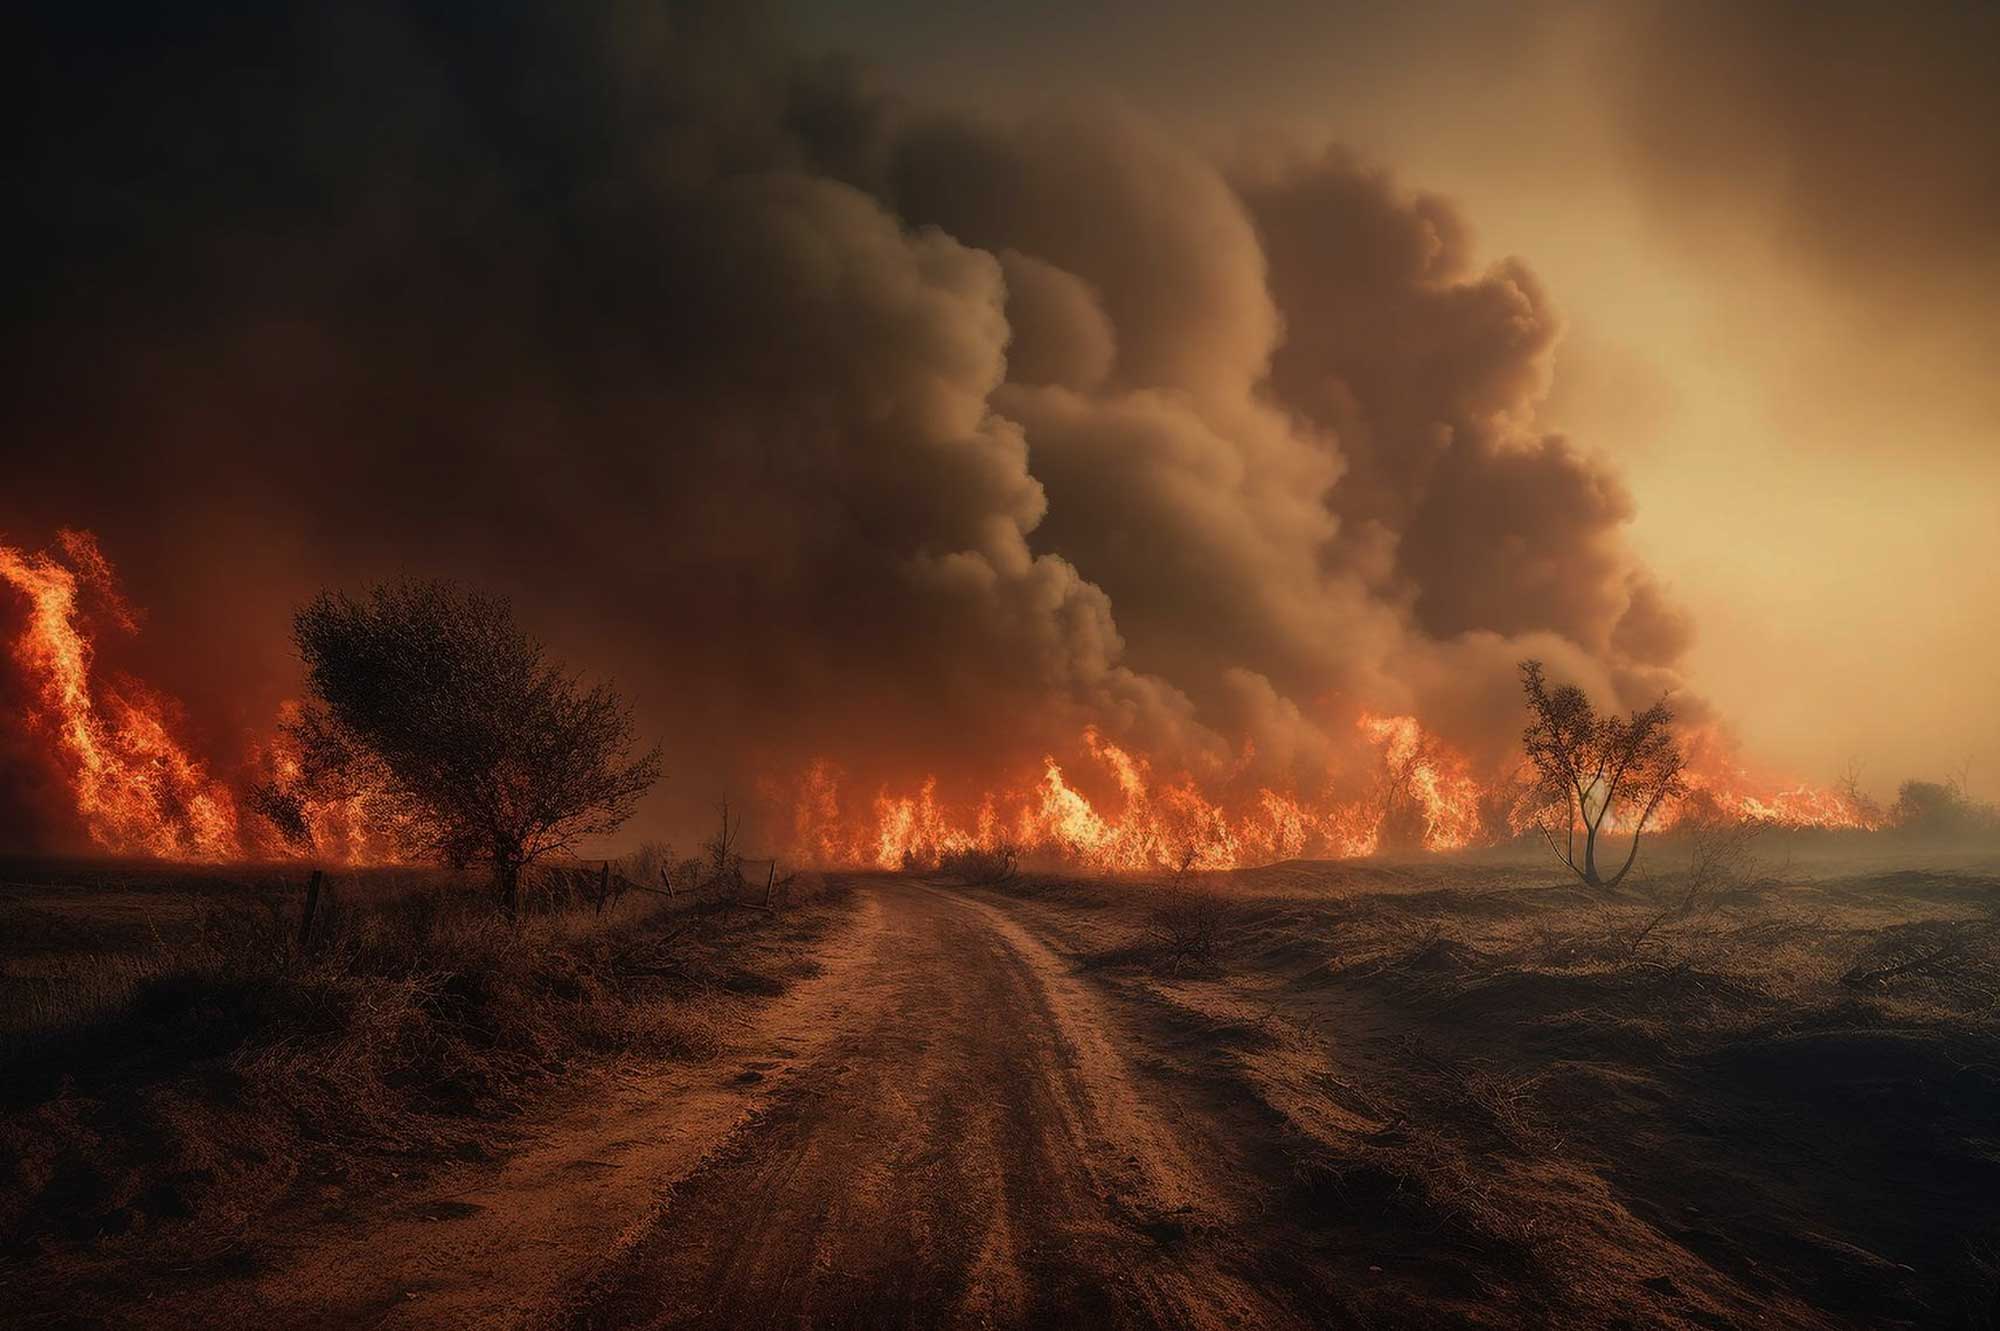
[1772, 233]
[834, 422]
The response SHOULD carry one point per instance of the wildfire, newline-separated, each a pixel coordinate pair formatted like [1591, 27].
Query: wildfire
[364, 826]
[1422, 797]
[134, 786]
[1721, 789]
[136, 789]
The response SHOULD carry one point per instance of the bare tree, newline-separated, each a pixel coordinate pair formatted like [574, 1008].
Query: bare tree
[427, 697]
[1186, 919]
[1596, 771]
[1858, 801]
[724, 870]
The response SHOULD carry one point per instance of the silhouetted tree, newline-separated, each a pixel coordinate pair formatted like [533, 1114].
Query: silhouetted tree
[724, 871]
[1942, 809]
[428, 698]
[1596, 771]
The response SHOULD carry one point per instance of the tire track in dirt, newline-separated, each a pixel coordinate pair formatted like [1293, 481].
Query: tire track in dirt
[966, 1148]
[485, 1245]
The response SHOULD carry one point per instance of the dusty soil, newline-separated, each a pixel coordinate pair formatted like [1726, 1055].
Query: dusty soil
[993, 1107]
[969, 1145]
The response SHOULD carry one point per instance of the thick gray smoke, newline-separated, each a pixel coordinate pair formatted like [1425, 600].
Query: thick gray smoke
[828, 426]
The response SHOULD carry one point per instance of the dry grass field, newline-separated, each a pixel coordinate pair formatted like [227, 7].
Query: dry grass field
[1758, 1086]
[182, 1065]
[1749, 1089]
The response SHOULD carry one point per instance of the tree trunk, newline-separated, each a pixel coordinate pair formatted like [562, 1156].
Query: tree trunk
[1590, 876]
[1630, 855]
[507, 878]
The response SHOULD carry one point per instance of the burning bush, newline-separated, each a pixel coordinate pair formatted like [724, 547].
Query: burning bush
[978, 864]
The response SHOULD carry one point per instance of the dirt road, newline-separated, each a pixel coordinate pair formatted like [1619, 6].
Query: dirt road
[938, 1121]
[965, 1146]
[937, 1106]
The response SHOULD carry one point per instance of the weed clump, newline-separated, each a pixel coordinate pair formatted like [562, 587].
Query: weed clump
[199, 1077]
[981, 864]
[1185, 923]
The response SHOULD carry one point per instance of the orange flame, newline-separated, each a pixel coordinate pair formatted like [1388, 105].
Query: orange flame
[134, 785]
[1423, 797]
[364, 827]
[136, 789]
[1721, 788]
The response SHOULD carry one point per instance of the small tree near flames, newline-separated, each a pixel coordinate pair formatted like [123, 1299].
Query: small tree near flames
[427, 698]
[1595, 773]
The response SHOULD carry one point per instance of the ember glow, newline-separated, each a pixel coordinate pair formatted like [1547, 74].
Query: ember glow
[1142, 474]
[136, 789]
[1722, 788]
[1419, 795]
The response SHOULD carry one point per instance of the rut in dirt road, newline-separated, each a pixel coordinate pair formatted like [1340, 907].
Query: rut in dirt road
[964, 1151]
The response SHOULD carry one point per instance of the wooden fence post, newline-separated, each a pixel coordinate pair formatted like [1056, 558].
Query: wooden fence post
[770, 884]
[667, 881]
[312, 908]
[603, 885]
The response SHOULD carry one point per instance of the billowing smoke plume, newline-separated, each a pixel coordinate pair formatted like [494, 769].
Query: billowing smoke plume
[828, 426]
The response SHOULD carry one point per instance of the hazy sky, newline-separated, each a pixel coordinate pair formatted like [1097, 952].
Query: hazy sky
[1773, 232]
[921, 387]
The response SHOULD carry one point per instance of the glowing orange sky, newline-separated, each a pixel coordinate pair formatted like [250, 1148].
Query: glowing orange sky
[1812, 433]
[1205, 375]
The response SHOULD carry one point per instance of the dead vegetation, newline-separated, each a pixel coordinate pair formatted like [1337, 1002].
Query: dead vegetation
[982, 865]
[175, 1080]
[1734, 1089]
[1185, 918]
[1185, 923]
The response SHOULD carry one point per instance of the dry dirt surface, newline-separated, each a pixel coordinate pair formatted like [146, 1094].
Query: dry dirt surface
[967, 1147]
[940, 1127]
[1396, 1100]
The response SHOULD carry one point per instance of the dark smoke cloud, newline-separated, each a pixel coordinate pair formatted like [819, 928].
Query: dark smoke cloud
[829, 426]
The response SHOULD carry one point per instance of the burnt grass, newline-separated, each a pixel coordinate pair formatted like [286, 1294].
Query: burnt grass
[179, 1066]
[1525, 1103]
[1471, 1092]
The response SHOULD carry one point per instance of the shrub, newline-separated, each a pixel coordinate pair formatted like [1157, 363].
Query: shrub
[1185, 923]
[408, 1026]
[997, 864]
[1944, 809]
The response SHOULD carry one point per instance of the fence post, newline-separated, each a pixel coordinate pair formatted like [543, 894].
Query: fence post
[312, 908]
[667, 881]
[603, 885]
[770, 884]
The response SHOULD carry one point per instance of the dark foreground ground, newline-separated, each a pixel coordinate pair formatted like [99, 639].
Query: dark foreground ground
[1312, 1095]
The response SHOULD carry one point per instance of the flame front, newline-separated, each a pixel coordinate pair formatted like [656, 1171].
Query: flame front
[1421, 798]
[1420, 795]
[134, 786]
[136, 789]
